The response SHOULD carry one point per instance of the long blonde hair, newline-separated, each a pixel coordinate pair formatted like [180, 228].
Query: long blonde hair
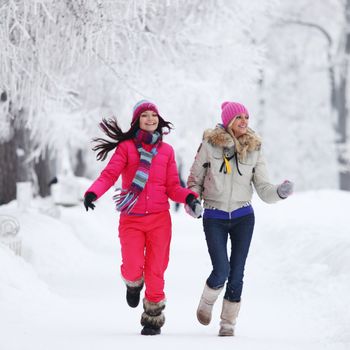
[247, 142]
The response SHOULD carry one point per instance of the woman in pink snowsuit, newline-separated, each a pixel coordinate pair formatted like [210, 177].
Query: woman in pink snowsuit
[149, 177]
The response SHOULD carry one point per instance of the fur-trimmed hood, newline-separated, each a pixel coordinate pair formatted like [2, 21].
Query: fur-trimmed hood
[220, 137]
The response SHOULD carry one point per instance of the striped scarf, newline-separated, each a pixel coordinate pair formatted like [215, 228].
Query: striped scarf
[125, 199]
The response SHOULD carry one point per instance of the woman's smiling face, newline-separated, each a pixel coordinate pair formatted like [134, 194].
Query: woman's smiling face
[149, 121]
[239, 126]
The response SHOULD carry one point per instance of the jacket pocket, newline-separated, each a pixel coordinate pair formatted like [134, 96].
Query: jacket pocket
[217, 153]
[245, 172]
[213, 182]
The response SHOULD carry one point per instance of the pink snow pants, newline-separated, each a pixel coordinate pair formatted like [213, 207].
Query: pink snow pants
[145, 245]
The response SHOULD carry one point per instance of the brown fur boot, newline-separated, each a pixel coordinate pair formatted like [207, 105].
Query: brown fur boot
[152, 319]
[206, 304]
[229, 316]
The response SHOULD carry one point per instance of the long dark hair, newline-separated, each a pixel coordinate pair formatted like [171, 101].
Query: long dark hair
[111, 128]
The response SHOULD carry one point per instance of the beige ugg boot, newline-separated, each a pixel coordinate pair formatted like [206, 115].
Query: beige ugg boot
[229, 315]
[206, 304]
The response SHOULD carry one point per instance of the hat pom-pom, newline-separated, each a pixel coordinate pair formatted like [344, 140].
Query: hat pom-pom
[224, 104]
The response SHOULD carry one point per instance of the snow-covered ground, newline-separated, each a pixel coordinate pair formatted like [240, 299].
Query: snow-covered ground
[65, 291]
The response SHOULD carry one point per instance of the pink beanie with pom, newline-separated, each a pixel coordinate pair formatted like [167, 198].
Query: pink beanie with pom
[141, 107]
[230, 110]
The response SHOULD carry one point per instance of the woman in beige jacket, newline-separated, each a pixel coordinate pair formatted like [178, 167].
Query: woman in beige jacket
[228, 162]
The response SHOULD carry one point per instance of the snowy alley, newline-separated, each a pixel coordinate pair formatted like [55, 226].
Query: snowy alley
[66, 291]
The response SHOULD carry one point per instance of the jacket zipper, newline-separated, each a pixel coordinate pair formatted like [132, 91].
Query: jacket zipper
[232, 173]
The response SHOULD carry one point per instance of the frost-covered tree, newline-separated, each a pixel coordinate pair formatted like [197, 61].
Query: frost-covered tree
[203, 56]
[40, 41]
[65, 63]
[311, 62]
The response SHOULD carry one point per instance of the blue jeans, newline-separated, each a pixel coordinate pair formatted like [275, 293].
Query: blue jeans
[217, 231]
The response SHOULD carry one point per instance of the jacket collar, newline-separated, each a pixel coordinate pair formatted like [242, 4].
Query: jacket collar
[220, 137]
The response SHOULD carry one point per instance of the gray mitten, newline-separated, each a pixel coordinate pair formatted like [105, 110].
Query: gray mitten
[285, 189]
[193, 206]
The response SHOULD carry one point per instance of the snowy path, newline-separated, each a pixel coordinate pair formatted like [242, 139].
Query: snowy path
[295, 295]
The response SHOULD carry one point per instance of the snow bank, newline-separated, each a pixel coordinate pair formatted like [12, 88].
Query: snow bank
[18, 280]
[305, 242]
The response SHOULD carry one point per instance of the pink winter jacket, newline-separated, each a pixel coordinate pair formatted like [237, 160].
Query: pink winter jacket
[163, 180]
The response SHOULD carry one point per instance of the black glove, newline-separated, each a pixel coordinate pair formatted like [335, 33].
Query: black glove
[193, 206]
[53, 181]
[88, 199]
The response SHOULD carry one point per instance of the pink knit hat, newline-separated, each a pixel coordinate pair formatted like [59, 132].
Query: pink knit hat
[230, 110]
[141, 107]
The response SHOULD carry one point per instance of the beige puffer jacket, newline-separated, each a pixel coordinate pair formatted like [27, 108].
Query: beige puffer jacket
[230, 191]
